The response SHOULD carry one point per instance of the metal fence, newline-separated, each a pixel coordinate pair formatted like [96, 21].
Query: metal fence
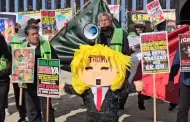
[32, 5]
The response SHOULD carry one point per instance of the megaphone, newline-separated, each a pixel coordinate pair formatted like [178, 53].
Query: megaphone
[91, 31]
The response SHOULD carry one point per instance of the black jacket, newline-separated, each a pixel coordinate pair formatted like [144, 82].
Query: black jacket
[105, 40]
[33, 86]
[4, 51]
[109, 107]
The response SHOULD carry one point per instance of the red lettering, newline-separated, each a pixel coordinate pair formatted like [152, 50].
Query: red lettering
[50, 86]
[41, 86]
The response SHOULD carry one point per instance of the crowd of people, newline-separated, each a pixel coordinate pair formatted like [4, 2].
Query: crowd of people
[33, 108]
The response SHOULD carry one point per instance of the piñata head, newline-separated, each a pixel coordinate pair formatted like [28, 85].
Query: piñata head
[98, 66]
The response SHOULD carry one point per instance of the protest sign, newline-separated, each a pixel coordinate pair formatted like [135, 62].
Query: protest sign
[7, 25]
[184, 44]
[142, 16]
[155, 12]
[48, 78]
[62, 16]
[155, 55]
[23, 65]
[48, 22]
[114, 9]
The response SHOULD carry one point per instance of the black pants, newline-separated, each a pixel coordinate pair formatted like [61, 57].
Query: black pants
[184, 103]
[122, 101]
[21, 109]
[34, 106]
[4, 89]
[140, 99]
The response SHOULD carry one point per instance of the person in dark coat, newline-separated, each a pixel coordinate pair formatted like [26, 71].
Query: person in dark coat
[5, 71]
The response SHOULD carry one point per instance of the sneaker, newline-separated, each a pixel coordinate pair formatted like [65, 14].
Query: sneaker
[7, 112]
[172, 107]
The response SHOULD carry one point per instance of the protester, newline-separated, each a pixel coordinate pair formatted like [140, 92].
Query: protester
[35, 104]
[115, 39]
[36, 22]
[184, 100]
[17, 41]
[134, 42]
[5, 71]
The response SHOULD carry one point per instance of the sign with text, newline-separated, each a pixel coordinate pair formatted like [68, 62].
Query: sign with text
[48, 22]
[142, 16]
[155, 54]
[23, 65]
[184, 41]
[155, 12]
[48, 78]
[7, 25]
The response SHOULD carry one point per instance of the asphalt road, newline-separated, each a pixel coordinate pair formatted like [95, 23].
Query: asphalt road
[68, 109]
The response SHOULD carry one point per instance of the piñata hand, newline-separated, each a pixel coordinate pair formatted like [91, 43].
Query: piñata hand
[139, 86]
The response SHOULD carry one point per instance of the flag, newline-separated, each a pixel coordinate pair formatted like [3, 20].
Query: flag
[70, 38]
[162, 91]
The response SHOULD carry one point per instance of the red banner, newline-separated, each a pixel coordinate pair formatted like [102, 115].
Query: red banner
[162, 91]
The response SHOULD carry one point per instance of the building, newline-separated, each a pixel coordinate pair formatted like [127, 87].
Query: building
[68, 4]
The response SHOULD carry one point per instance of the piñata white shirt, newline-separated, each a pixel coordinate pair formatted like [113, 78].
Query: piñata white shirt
[104, 91]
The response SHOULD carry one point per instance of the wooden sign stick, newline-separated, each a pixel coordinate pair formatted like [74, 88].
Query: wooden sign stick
[154, 88]
[21, 96]
[47, 110]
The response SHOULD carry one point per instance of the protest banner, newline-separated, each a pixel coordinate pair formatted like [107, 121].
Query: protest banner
[23, 61]
[142, 16]
[48, 78]
[7, 25]
[48, 22]
[114, 9]
[23, 65]
[62, 16]
[155, 57]
[155, 12]
[184, 49]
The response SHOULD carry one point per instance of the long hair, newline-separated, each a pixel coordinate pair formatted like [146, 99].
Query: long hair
[81, 60]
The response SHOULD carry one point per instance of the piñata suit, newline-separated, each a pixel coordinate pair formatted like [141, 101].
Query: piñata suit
[102, 103]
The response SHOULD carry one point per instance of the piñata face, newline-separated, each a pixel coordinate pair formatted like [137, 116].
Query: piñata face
[99, 72]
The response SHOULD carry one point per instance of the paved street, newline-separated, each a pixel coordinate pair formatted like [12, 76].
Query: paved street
[68, 109]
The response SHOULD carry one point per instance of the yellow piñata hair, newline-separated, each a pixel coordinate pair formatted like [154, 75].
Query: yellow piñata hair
[81, 60]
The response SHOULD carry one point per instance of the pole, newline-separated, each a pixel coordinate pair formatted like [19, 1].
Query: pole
[47, 110]
[154, 88]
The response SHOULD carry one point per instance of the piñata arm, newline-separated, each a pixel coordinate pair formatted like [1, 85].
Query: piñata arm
[69, 89]
[175, 66]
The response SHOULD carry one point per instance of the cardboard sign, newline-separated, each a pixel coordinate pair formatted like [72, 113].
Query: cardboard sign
[142, 16]
[23, 65]
[155, 54]
[155, 12]
[48, 22]
[48, 78]
[114, 9]
[184, 49]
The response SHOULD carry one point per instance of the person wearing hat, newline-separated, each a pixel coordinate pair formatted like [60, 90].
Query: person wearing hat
[36, 22]
[16, 42]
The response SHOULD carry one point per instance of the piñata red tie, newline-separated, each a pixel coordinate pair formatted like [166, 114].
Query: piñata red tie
[99, 99]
